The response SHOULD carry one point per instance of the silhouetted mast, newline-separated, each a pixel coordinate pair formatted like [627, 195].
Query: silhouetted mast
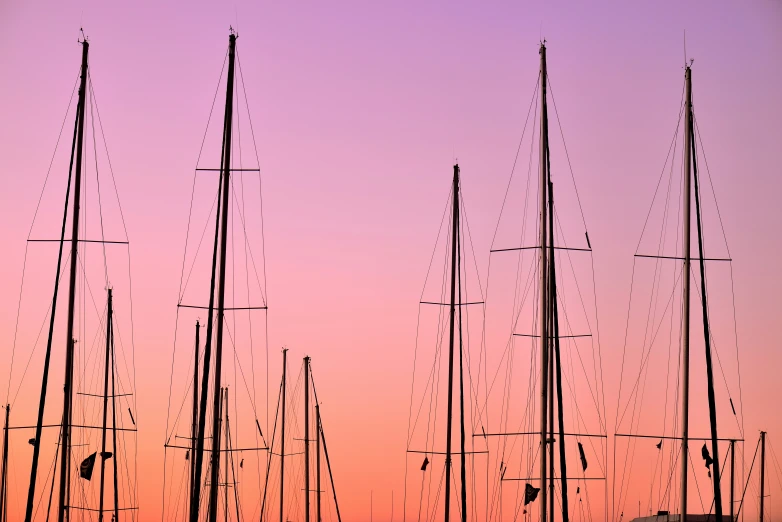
[114, 424]
[706, 330]
[224, 403]
[4, 471]
[544, 288]
[226, 179]
[65, 437]
[454, 276]
[76, 150]
[103, 454]
[317, 459]
[556, 370]
[762, 474]
[331, 475]
[690, 173]
[307, 439]
[194, 428]
[462, 439]
[282, 438]
[684, 459]
[732, 478]
[218, 280]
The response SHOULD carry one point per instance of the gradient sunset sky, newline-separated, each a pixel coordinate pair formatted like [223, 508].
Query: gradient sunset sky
[360, 110]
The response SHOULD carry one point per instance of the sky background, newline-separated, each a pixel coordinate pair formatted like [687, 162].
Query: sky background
[360, 110]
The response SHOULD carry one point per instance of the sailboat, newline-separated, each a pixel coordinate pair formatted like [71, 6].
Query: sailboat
[541, 468]
[277, 443]
[204, 453]
[221, 458]
[429, 449]
[81, 466]
[676, 456]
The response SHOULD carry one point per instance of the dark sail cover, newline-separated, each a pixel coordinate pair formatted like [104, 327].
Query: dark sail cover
[583, 457]
[530, 493]
[85, 470]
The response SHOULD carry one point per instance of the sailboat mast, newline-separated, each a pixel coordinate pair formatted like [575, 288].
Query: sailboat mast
[227, 448]
[4, 471]
[544, 289]
[307, 439]
[732, 478]
[462, 438]
[103, 455]
[65, 439]
[317, 461]
[551, 394]
[556, 365]
[78, 132]
[706, 333]
[454, 275]
[331, 475]
[762, 474]
[282, 437]
[685, 430]
[114, 424]
[194, 429]
[226, 180]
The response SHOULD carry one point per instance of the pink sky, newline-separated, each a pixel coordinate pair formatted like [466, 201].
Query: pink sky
[359, 112]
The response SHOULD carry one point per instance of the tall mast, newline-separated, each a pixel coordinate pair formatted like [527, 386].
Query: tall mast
[307, 439]
[684, 458]
[462, 438]
[114, 424]
[454, 275]
[706, 332]
[331, 475]
[732, 478]
[557, 363]
[282, 437]
[551, 394]
[227, 449]
[65, 437]
[220, 233]
[4, 471]
[194, 429]
[78, 133]
[762, 474]
[226, 175]
[543, 290]
[317, 461]
[103, 454]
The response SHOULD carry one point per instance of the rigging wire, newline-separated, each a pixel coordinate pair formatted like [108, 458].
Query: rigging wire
[30, 232]
[181, 276]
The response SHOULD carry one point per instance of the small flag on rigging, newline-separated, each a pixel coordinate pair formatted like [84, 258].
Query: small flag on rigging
[706, 456]
[530, 493]
[426, 463]
[583, 457]
[85, 469]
